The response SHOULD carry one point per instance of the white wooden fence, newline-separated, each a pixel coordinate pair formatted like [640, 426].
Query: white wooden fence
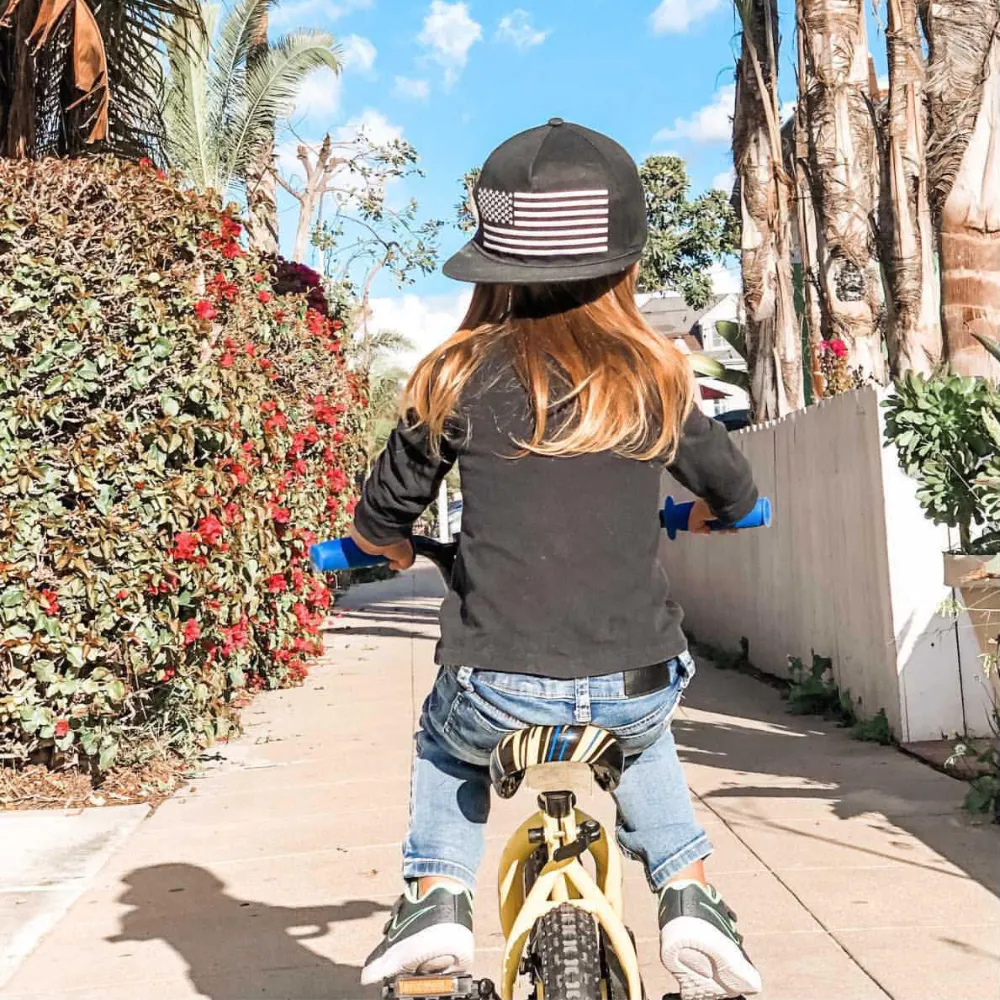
[850, 568]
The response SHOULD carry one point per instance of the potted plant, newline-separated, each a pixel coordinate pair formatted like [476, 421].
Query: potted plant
[946, 430]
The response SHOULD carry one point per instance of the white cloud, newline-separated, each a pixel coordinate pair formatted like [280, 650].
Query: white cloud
[357, 53]
[319, 94]
[426, 320]
[725, 280]
[883, 83]
[516, 28]
[676, 16]
[303, 13]
[373, 123]
[416, 90]
[724, 181]
[448, 33]
[712, 123]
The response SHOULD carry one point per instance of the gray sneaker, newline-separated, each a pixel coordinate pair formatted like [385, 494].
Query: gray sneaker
[700, 946]
[425, 934]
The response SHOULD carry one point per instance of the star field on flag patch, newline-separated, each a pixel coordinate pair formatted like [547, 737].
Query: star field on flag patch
[496, 206]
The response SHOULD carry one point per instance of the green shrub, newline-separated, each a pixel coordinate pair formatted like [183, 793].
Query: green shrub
[946, 430]
[173, 435]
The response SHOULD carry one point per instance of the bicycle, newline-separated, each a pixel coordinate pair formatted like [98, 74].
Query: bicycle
[563, 926]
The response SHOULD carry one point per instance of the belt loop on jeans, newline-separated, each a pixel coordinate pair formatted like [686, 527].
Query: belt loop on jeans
[464, 677]
[582, 712]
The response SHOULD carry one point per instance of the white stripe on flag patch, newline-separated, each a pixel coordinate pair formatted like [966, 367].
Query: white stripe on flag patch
[569, 222]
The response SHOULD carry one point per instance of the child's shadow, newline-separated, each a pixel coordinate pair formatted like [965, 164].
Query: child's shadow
[234, 948]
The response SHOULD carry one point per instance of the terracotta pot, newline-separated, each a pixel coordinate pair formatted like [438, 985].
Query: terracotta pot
[981, 600]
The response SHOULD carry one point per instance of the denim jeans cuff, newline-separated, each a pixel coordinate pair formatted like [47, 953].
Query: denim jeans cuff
[414, 868]
[697, 850]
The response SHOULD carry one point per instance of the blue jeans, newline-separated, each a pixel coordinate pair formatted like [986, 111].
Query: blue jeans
[469, 711]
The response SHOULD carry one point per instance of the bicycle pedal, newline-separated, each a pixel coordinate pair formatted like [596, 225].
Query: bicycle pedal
[438, 987]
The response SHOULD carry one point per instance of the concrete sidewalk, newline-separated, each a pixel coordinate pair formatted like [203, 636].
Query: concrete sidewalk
[852, 869]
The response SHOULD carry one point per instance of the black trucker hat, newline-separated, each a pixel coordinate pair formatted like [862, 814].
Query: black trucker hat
[556, 203]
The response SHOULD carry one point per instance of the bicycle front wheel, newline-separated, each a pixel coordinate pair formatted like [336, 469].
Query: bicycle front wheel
[567, 955]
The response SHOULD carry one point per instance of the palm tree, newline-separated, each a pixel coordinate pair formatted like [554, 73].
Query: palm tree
[913, 330]
[963, 162]
[82, 75]
[774, 352]
[225, 91]
[842, 166]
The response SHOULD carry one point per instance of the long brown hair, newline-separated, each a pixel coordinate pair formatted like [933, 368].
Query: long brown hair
[582, 344]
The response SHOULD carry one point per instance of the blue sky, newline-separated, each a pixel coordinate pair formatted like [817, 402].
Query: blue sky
[457, 78]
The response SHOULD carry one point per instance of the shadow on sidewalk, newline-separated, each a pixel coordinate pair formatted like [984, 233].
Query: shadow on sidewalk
[235, 949]
[856, 777]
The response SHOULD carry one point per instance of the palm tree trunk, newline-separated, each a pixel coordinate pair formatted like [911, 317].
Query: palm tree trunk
[773, 343]
[262, 186]
[964, 171]
[18, 100]
[913, 331]
[842, 166]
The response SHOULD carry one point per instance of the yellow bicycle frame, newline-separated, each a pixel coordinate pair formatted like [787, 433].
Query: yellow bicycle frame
[562, 882]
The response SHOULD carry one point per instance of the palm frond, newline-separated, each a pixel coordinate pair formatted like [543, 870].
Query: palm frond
[272, 87]
[231, 48]
[192, 145]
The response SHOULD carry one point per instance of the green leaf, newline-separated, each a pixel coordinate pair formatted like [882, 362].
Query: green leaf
[74, 656]
[709, 367]
[170, 406]
[992, 346]
[733, 334]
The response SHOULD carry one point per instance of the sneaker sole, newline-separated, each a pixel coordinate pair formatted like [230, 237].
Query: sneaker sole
[705, 963]
[442, 949]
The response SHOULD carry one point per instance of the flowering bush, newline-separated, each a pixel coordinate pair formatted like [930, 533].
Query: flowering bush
[177, 425]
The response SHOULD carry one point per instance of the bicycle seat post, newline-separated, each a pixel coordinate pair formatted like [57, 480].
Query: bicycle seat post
[557, 804]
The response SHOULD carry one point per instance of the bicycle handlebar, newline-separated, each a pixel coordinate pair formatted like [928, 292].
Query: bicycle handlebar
[343, 553]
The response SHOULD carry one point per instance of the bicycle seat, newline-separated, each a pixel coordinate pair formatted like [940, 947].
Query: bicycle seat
[582, 744]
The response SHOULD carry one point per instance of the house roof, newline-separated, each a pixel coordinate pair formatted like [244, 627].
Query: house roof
[671, 314]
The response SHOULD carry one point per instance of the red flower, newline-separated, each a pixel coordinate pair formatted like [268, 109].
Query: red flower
[279, 315]
[268, 406]
[231, 514]
[336, 479]
[277, 422]
[232, 250]
[351, 505]
[231, 229]
[258, 277]
[210, 529]
[240, 473]
[168, 674]
[62, 728]
[140, 485]
[297, 579]
[838, 348]
[121, 595]
[223, 289]
[50, 601]
[337, 325]
[280, 514]
[186, 546]
[300, 467]
[204, 309]
[264, 297]
[265, 364]
[250, 350]
[146, 162]
[192, 631]
[212, 605]
[226, 361]
[277, 584]
[332, 504]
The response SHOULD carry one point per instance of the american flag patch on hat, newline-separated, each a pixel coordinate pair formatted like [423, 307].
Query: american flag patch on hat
[544, 224]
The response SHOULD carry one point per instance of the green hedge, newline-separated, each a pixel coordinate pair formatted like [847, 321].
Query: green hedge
[173, 434]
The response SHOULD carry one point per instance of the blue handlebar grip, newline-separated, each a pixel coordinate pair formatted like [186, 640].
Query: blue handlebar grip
[674, 517]
[341, 553]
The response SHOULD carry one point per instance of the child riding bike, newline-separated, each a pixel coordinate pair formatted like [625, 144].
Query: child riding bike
[561, 407]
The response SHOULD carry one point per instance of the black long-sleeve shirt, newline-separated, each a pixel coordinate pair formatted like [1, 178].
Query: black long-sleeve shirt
[558, 572]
